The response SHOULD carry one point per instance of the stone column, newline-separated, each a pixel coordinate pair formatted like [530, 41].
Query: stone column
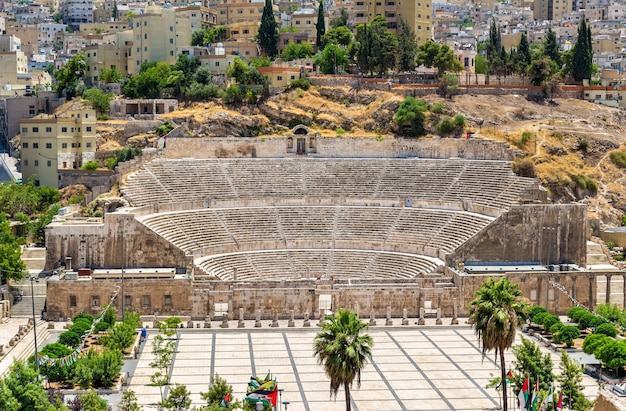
[592, 302]
[389, 321]
[356, 308]
[274, 323]
[421, 320]
[455, 311]
[372, 318]
[291, 322]
[307, 321]
[207, 322]
[405, 319]
[241, 324]
[257, 322]
[607, 298]
[438, 322]
[321, 317]
[224, 323]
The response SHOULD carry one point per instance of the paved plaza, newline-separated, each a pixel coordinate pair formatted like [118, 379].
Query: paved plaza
[413, 368]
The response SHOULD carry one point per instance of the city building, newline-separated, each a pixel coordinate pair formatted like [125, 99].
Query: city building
[50, 143]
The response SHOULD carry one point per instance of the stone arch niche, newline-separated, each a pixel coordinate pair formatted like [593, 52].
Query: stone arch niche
[301, 140]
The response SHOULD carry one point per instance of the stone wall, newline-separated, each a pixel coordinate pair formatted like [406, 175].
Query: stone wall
[328, 147]
[88, 178]
[548, 234]
[146, 296]
[101, 245]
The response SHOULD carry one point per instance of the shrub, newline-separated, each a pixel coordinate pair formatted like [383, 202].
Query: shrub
[90, 165]
[597, 321]
[585, 320]
[446, 125]
[69, 338]
[524, 139]
[606, 329]
[524, 167]
[555, 328]
[610, 245]
[58, 372]
[121, 336]
[539, 318]
[459, 121]
[575, 313]
[164, 128]
[549, 321]
[98, 370]
[85, 316]
[233, 94]
[568, 334]
[618, 158]
[133, 319]
[301, 83]
[585, 183]
[583, 144]
[110, 163]
[101, 326]
[437, 108]
[410, 117]
[340, 131]
[109, 316]
[536, 310]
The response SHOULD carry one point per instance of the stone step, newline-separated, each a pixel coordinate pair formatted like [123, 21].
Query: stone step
[593, 259]
[24, 308]
[25, 347]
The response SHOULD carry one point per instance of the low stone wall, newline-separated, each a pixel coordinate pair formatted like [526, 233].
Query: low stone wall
[88, 178]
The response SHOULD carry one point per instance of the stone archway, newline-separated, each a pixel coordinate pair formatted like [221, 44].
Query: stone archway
[302, 140]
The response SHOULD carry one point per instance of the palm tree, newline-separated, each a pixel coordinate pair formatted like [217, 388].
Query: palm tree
[496, 313]
[343, 350]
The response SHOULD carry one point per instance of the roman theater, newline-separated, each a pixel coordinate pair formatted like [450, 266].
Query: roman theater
[295, 225]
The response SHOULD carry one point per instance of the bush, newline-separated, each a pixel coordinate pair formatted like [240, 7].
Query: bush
[101, 326]
[597, 321]
[524, 167]
[437, 108]
[536, 310]
[109, 316]
[58, 372]
[585, 320]
[575, 313]
[446, 125]
[556, 327]
[301, 83]
[233, 94]
[606, 329]
[618, 158]
[539, 318]
[121, 336]
[80, 327]
[549, 321]
[90, 165]
[69, 338]
[85, 316]
[568, 334]
[98, 370]
[110, 163]
[199, 91]
[585, 183]
[459, 121]
[164, 128]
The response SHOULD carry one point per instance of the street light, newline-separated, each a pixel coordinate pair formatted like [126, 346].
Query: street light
[32, 299]
[286, 403]
[280, 399]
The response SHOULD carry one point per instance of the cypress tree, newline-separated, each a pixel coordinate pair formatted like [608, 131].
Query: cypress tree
[582, 58]
[268, 31]
[320, 26]
[552, 48]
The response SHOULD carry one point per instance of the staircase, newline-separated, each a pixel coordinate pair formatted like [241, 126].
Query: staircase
[25, 347]
[35, 260]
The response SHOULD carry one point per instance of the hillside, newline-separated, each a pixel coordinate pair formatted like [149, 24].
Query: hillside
[568, 140]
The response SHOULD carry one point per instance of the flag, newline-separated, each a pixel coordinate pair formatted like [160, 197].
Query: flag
[523, 395]
[225, 402]
[548, 400]
[536, 398]
[559, 404]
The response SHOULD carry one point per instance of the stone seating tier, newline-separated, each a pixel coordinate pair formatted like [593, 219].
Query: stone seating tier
[290, 265]
[210, 231]
[486, 183]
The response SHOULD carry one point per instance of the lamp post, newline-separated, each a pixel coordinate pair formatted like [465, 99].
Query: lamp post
[32, 299]
[280, 398]
[286, 403]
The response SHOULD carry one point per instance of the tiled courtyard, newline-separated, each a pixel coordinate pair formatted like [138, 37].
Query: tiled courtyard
[432, 368]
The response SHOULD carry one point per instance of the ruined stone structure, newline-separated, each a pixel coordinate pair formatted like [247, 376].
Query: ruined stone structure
[146, 109]
[303, 233]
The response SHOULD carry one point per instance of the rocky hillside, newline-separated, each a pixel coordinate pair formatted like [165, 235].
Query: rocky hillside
[569, 141]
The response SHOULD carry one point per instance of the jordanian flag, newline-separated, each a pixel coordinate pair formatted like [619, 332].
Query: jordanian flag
[524, 395]
[536, 398]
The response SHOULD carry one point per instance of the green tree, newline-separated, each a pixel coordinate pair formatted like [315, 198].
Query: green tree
[522, 57]
[480, 64]
[293, 51]
[606, 329]
[110, 75]
[57, 372]
[320, 25]
[268, 31]
[539, 71]
[341, 20]
[11, 265]
[21, 386]
[495, 314]
[426, 53]
[129, 401]
[69, 75]
[575, 313]
[410, 116]
[340, 35]
[529, 362]
[218, 390]
[445, 60]
[448, 85]
[376, 46]
[150, 82]
[343, 350]
[571, 379]
[494, 44]
[582, 56]
[331, 58]
[91, 401]
[98, 370]
[407, 47]
[551, 47]
[568, 334]
[178, 399]
[100, 101]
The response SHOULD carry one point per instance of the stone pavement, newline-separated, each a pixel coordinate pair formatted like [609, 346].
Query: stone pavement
[413, 368]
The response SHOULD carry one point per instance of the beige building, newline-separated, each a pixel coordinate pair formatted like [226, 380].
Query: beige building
[112, 52]
[551, 10]
[52, 143]
[157, 36]
[280, 76]
[238, 11]
[416, 13]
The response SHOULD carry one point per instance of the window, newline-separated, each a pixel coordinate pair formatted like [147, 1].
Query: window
[279, 78]
[72, 301]
[88, 128]
[87, 114]
[145, 36]
[217, 64]
[171, 53]
[167, 301]
[95, 301]
[49, 163]
[48, 145]
[145, 301]
[63, 145]
[88, 145]
[171, 41]
[24, 129]
[25, 163]
[31, 110]
[35, 145]
[293, 77]
[171, 28]
[36, 163]
[48, 129]
[24, 145]
[65, 164]
[35, 129]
